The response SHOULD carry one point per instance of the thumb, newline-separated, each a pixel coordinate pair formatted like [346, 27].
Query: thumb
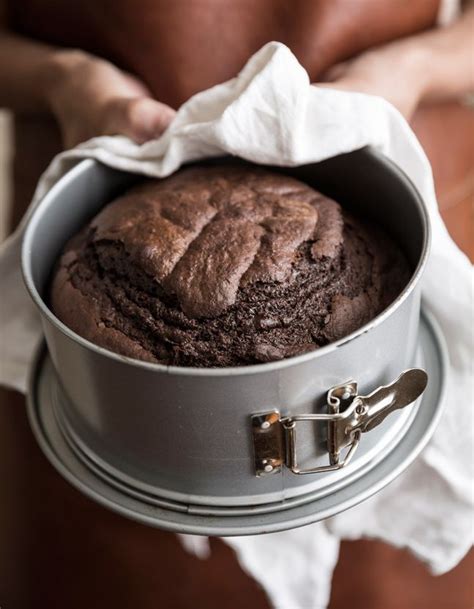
[140, 118]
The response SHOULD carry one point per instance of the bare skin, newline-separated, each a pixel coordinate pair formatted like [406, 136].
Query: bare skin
[89, 96]
[433, 66]
[92, 97]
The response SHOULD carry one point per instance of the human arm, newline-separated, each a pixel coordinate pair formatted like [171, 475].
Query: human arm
[88, 95]
[434, 65]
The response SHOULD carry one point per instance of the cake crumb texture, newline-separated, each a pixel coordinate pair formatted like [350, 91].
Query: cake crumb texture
[224, 265]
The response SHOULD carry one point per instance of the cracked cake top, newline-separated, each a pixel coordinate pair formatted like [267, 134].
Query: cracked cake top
[224, 265]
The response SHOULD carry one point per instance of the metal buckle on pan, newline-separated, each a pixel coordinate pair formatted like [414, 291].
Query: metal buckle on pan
[349, 415]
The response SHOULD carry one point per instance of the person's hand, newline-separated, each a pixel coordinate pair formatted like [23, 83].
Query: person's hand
[393, 71]
[91, 97]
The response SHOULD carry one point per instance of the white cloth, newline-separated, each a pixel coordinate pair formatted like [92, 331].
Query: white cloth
[448, 12]
[271, 114]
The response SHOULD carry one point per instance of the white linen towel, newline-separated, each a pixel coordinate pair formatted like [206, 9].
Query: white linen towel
[271, 114]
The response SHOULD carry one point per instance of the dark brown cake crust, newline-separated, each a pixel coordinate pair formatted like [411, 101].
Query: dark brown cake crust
[223, 266]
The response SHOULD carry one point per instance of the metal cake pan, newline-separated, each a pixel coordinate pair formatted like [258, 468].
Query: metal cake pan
[186, 435]
[227, 521]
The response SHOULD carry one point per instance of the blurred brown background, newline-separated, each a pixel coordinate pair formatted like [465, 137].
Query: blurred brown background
[5, 156]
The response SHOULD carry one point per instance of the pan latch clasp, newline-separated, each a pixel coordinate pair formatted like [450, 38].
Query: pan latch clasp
[348, 416]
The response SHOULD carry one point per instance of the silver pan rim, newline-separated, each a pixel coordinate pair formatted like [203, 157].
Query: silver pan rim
[45, 311]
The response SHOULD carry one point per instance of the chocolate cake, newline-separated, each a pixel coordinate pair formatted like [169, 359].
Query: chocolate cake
[224, 266]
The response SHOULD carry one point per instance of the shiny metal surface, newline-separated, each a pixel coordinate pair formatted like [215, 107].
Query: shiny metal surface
[361, 414]
[184, 434]
[321, 503]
